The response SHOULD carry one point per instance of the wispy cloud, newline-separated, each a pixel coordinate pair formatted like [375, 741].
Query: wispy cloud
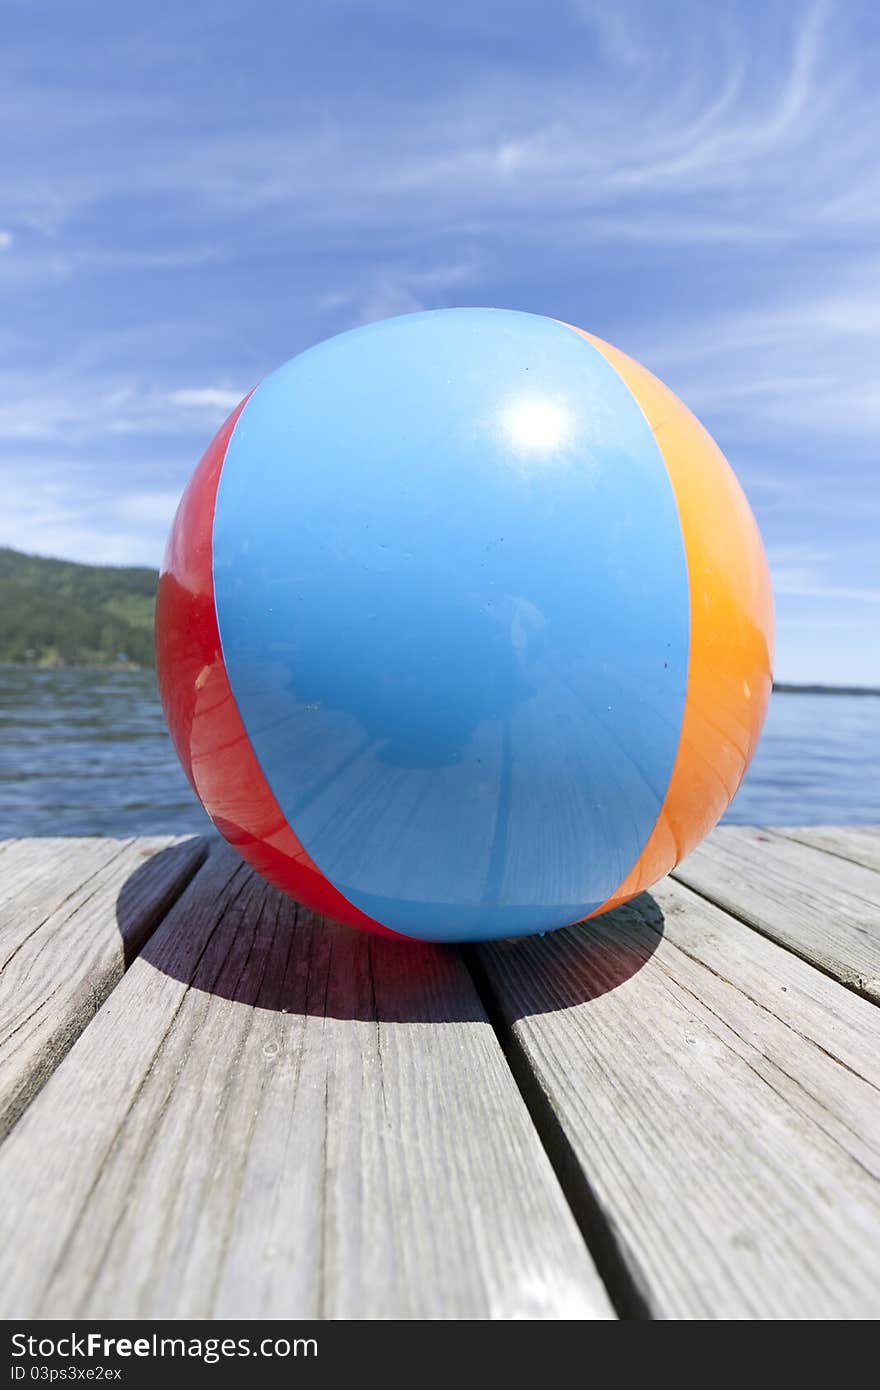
[723, 108]
[211, 398]
[801, 365]
[398, 289]
[801, 570]
[837, 591]
[82, 521]
[63, 412]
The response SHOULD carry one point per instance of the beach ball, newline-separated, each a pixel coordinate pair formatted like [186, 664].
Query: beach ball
[464, 627]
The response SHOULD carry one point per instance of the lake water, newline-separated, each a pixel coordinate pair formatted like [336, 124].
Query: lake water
[87, 753]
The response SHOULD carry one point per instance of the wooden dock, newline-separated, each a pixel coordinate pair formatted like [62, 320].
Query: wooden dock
[215, 1104]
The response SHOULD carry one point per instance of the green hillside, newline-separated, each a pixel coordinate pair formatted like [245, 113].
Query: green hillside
[56, 613]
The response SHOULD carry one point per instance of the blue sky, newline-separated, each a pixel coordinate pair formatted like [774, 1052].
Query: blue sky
[190, 194]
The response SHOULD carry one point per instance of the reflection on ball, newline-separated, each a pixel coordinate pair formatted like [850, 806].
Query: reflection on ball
[464, 628]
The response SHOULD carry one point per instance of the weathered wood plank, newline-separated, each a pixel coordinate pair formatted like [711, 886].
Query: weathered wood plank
[824, 908]
[715, 1102]
[39, 874]
[861, 843]
[273, 1116]
[72, 911]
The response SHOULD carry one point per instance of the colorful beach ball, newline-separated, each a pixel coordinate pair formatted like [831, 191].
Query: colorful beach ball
[464, 629]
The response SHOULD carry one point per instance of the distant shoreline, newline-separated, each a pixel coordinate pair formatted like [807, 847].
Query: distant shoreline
[784, 688]
[75, 666]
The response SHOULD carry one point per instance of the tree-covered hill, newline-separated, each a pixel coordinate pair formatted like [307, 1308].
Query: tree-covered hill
[55, 612]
